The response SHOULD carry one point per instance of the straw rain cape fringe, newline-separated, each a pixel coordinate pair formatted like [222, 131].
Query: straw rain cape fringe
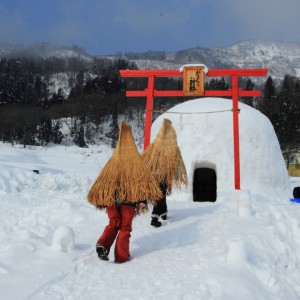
[125, 177]
[164, 160]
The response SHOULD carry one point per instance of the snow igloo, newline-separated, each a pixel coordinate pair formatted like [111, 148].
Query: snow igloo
[204, 130]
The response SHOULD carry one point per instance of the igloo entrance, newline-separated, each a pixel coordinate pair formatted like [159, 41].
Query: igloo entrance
[204, 185]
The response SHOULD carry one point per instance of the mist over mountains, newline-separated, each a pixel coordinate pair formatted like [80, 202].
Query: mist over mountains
[280, 58]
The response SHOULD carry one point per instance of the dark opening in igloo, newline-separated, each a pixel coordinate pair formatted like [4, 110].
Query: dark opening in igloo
[204, 185]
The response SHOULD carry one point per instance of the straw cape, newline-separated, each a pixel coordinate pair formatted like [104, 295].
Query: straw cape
[125, 177]
[163, 158]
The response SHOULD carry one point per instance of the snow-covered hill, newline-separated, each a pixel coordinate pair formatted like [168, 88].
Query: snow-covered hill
[279, 58]
[43, 50]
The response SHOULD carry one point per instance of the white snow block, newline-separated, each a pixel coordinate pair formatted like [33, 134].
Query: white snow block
[240, 202]
[244, 204]
[63, 239]
[233, 204]
[236, 252]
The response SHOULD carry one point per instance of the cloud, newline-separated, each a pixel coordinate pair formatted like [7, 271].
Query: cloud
[141, 25]
[264, 19]
[165, 25]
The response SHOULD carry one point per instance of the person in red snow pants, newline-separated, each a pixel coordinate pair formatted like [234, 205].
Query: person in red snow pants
[120, 226]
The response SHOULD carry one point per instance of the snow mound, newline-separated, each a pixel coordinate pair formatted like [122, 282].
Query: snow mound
[205, 136]
[63, 239]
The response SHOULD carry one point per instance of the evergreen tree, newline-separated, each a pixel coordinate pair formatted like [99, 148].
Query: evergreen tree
[56, 133]
[114, 127]
[286, 121]
[79, 139]
[268, 102]
[222, 85]
[249, 87]
[58, 98]
[44, 131]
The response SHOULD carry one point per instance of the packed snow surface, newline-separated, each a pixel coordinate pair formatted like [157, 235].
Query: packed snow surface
[243, 246]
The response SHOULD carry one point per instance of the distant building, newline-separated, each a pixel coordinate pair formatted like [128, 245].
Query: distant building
[293, 163]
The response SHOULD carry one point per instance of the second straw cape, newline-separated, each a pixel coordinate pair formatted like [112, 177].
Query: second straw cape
[163, 158]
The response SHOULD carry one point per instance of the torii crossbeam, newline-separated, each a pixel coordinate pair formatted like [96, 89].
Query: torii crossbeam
[235, 92]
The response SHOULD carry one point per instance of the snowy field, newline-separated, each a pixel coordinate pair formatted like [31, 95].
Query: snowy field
[210, 251]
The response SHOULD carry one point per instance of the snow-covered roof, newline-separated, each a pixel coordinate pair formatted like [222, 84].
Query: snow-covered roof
[205, 68]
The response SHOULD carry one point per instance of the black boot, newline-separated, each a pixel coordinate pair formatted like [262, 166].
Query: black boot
[164, 217]
[155, 222]
[102, 252]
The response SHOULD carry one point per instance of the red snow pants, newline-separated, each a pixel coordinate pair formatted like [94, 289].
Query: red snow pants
[120, 221]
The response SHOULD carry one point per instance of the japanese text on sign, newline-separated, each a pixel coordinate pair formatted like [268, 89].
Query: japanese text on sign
[193, 81]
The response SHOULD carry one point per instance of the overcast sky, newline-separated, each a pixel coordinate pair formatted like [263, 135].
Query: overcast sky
[110, 26]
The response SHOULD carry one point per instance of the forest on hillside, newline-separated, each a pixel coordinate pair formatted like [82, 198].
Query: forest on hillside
[91, 103]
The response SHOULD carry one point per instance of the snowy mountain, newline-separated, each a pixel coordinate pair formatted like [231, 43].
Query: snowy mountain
[279, 58]
[43, 50]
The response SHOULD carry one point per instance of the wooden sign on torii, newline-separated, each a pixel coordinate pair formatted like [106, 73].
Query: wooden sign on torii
[235, 92]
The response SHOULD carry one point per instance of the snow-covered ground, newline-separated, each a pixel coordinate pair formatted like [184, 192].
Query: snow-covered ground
[203, 251]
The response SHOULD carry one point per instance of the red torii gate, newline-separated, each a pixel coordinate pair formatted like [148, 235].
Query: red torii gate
[235, 92]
